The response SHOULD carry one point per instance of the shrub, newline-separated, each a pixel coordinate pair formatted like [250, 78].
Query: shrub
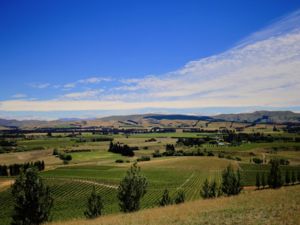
[284, 162]
[178, 153]
[257, 160]
[66, 158]
[210, 189]
[55, 152]
[150, 140]
[165, 199]
[180, 198]
[119, 161]
[156, 154]
[144, 158]
[205, 190]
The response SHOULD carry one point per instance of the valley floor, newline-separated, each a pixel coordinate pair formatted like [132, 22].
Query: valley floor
[280, 206]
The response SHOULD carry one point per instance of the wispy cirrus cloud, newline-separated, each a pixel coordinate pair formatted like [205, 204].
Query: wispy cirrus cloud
[82, 95]
[19, 95]
[90, 80]
[262, 70]
[39, 85]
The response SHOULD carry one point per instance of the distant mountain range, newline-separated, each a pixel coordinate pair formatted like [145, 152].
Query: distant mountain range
[262, 117]
[157, 119]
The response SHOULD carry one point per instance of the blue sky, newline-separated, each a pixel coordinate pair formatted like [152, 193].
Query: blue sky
[95, 58]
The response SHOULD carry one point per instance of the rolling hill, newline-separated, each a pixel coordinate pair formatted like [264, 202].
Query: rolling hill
[142, 120]
[254, 207]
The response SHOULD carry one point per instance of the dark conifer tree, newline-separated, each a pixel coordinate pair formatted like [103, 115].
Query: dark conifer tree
[94, 205]
[257, 183]
[263, 180]
[293, 177]
[274, 179]
[131, 189]
[287, 177]
[32, 199]
[165, 199]
[180, 198]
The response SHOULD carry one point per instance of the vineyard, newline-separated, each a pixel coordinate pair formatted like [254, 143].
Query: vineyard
[70, 186]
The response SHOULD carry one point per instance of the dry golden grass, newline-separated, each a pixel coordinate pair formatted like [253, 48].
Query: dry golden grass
[255, 207]
[29, 156]
[203, 163]
[5, 183]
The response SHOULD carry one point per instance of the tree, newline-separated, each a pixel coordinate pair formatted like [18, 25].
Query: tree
[170, 150]
[231, 181]
[55, 152]
[180, 198]
[32, 199]
[3, 170]
[293, 178]
[263, 180]
[131, 189]
[165, 199]
[257, 183]
[205, 189]
[274, 179]
[94, 205]
[66, 158]
[287, 177]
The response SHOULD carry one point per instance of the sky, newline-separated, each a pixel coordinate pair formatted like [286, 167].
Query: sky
[88, 59]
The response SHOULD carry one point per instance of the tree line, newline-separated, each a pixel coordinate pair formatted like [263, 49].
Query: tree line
[124, 150]
[15, 169]
[274, 178]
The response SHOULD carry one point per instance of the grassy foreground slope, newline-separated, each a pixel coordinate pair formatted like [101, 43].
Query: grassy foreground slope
[255, 207]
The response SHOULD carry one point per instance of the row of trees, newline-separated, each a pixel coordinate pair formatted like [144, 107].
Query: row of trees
[230, 185]
[274, 177]
[192, 141]
[15, 169]
[124, 150]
